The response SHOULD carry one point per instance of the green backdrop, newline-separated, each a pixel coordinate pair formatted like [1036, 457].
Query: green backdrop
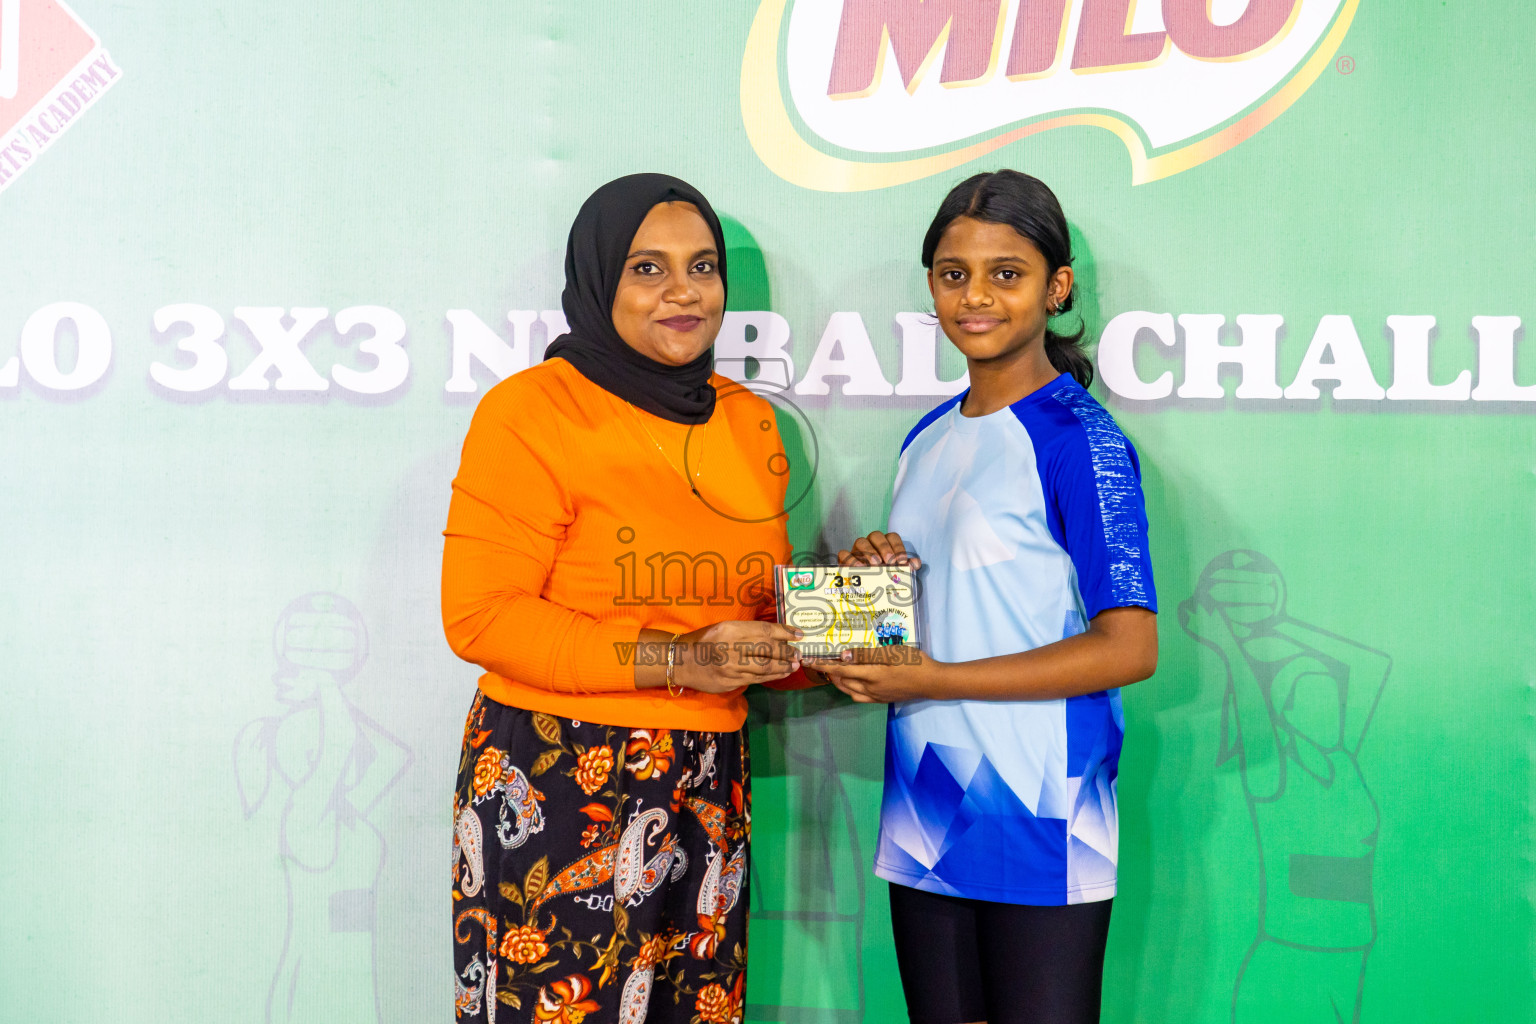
[160, 545]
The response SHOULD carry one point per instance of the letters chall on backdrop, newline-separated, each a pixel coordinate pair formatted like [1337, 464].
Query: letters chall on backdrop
[259, 262]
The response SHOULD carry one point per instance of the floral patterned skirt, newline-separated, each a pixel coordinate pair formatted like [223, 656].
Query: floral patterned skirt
[599, 872]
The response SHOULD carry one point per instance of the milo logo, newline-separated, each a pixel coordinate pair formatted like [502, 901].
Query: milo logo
[845, 95]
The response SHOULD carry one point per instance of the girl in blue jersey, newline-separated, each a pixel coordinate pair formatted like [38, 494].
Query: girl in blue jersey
[1020, 504]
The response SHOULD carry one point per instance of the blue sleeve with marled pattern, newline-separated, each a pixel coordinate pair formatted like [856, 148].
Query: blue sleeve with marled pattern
[1095, 482]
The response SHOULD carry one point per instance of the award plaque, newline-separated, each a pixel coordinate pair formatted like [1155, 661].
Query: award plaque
[838, 607]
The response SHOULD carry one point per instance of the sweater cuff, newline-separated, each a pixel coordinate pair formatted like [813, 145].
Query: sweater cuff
[609, 662]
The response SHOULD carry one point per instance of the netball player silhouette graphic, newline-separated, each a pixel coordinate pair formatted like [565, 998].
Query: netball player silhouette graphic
[333, 764]
[1298, 701]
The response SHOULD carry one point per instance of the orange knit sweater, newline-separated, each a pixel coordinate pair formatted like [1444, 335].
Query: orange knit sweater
[571, 528]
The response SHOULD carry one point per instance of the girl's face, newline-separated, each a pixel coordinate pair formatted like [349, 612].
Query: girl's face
[992, 289]
[671, 299]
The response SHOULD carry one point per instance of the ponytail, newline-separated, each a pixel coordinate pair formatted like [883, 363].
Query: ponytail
[1066, 353]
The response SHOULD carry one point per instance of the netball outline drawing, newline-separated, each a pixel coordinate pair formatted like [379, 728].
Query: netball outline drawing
[332, 764]
[1297, 703]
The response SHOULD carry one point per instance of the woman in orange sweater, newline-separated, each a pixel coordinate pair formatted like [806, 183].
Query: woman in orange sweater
[608, 563]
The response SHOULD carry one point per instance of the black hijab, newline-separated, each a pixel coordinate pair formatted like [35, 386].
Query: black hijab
[594, 260]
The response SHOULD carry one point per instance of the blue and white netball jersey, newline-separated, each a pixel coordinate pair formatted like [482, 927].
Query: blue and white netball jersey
[1029, 522]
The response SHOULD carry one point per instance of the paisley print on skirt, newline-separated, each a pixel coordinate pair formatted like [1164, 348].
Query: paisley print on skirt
[599, 872]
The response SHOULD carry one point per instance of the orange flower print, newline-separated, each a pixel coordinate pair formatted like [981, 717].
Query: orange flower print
[703, 943]
[738, 999]
[713, 1004]
[652, 952]
[487, 772]
[565, 1001]
[592, 769]
[672, 939]
[739, 824]
[475, 732]
[591, 835]
[649, 752]
[526, 945]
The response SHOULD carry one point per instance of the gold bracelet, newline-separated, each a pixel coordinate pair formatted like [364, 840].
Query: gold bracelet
[672, 688]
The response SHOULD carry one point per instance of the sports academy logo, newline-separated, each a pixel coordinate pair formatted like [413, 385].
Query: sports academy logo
[849, 95]
[51, 69]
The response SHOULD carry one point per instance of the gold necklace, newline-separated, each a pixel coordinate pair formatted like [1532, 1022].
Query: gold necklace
[703, 441]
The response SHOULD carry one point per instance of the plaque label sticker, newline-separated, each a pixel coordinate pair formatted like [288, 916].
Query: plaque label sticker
[839, 607]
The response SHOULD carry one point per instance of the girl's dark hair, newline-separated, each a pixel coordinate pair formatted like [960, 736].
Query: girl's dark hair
[1025, 204]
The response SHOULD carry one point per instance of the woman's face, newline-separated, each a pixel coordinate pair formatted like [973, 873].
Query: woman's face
[671, 298]
[992, 289]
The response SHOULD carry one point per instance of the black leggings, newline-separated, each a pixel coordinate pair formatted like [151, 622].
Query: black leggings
[973, 960]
